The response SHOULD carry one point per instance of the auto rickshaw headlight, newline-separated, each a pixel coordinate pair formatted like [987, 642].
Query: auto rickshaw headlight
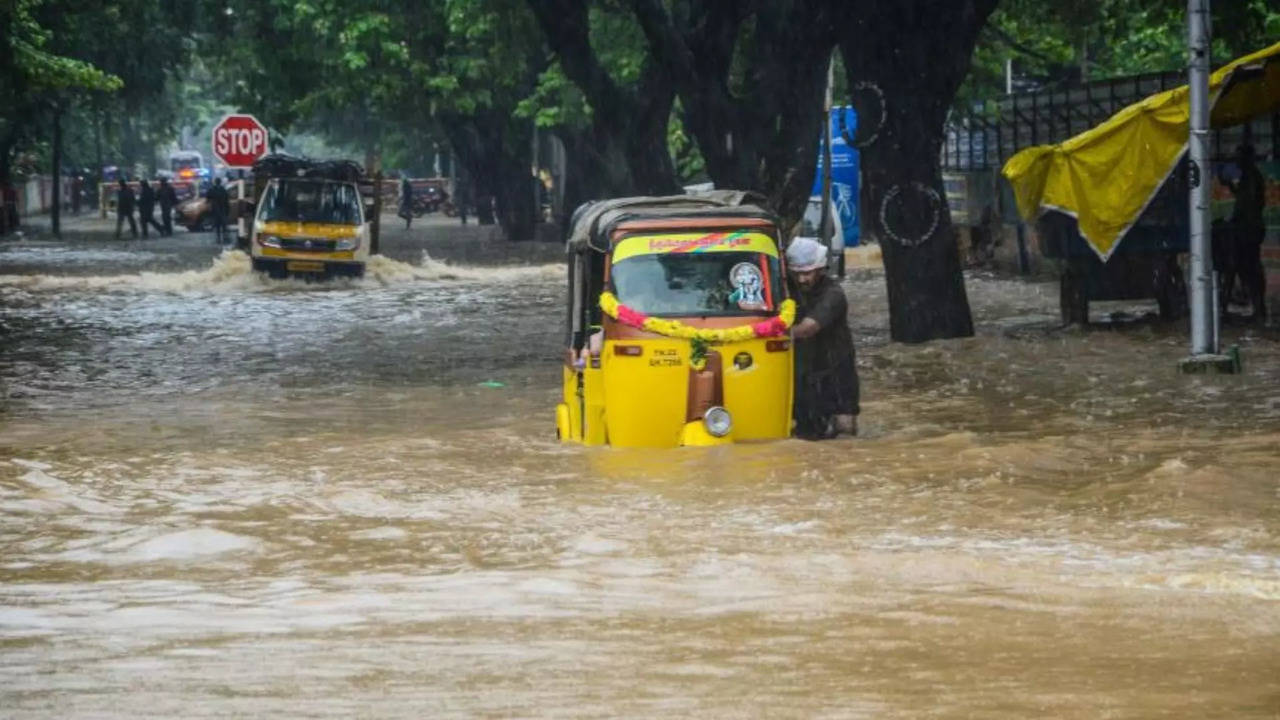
[717, 421]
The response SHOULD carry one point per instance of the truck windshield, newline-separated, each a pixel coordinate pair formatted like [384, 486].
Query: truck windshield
[311, 201]
[713, 283]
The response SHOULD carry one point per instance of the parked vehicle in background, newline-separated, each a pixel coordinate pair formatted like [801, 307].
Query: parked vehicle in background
[430, 195]
[194, 214]
[189, 165]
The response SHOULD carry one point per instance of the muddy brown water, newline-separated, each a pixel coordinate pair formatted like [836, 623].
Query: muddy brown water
[227, 497]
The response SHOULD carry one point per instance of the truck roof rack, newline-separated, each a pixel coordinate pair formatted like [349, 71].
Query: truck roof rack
[285, 165]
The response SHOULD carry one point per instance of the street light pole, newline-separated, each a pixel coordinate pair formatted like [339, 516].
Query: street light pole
[827, 228]
[1205, 355]
[1203, 319]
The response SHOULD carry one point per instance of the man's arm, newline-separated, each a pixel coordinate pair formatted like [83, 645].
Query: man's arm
[831, 308]
[805, 329]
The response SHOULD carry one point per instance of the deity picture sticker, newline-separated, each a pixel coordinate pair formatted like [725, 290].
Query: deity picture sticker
[748, 286]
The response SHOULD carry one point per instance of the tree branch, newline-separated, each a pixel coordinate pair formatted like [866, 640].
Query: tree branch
[567, 27]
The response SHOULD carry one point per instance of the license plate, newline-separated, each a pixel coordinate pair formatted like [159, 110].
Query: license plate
[304, 266]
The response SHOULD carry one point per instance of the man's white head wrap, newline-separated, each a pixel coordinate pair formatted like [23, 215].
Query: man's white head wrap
[805, 254]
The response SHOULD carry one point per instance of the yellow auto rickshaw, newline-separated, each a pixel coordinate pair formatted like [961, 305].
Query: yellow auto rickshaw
[678, 324]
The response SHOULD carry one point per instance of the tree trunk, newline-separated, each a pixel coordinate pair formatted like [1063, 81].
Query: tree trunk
[589, 175]
[7, 142]
[906, 59]
[764, 135]
[55, 207]
[627, 153]
[496, 154]
[128, 146]
[515, 207]
[6, 156]
[95, 116]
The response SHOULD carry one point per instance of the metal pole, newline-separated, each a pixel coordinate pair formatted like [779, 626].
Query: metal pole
[826, 224]
[1203, 320]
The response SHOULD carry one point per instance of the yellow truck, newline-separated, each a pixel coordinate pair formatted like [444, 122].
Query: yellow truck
[311, 219]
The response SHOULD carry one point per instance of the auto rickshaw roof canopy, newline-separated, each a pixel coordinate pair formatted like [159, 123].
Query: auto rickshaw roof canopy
[1107, 175]
[593, 223]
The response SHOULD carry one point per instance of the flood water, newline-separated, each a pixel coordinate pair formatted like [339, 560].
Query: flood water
[222, 496]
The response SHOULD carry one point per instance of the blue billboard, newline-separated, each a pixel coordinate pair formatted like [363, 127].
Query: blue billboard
[844, 172]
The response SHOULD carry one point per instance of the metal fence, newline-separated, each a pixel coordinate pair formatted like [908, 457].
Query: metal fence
[986, 137]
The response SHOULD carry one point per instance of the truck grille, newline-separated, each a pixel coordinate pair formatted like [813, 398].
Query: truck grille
[308, 244]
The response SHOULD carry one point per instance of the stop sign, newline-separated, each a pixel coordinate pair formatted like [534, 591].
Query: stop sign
[238, 140]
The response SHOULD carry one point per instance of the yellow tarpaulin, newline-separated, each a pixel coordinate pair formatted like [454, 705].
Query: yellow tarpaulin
[1106, 176]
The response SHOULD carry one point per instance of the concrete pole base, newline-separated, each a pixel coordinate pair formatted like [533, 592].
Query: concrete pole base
[1226, 364]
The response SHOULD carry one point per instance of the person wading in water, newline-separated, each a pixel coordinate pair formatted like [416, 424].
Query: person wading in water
[827, 391]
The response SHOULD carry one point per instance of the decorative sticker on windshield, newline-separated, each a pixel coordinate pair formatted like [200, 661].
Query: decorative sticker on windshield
[748, 286]
[681, 243]
[703, 243]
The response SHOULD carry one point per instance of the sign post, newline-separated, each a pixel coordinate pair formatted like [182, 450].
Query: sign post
[239, 140]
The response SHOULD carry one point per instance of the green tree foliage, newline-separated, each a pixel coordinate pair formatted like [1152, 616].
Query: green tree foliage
[1058, 42]
[401, 75]
[617, 143]
[35, 76]
[750, 78]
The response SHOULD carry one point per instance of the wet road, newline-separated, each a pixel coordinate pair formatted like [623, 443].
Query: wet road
[226, 497]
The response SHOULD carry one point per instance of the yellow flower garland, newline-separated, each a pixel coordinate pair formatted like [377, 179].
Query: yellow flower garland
[676, 329]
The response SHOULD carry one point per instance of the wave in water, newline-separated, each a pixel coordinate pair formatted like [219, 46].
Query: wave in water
[232, 272]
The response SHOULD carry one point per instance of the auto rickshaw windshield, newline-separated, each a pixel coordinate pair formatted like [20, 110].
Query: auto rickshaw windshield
[698, 274]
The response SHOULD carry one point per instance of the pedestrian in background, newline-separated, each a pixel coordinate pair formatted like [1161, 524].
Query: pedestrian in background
[167, 199]
[1246, 219]
[147, 208]
[406, 201]
[124, 208]
[827, 389]
[219, 208]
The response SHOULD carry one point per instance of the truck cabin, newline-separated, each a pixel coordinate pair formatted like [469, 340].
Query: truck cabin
[312, 200]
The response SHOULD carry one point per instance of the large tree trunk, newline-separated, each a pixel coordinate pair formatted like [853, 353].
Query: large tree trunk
[55, 208]
[589, 172]
[627, 149]
[128, 146]
[496, 153]
[7, 141]
[516, 210]
[905, 60]
[95, 116]
[764, 135]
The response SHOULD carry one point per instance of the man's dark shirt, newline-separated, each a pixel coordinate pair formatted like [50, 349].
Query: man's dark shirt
[146, 199]
[124, 200]
[1250, 198]
[219, 201]
[167, 197]
[826, 371]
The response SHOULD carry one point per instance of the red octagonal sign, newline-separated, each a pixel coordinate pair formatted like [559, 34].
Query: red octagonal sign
[239, 140]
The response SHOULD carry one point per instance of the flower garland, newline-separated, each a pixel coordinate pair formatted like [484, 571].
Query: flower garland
[774, 326]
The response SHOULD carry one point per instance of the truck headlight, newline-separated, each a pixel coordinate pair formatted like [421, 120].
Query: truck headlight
[270, 241]
[347, 244]
[717, 421]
